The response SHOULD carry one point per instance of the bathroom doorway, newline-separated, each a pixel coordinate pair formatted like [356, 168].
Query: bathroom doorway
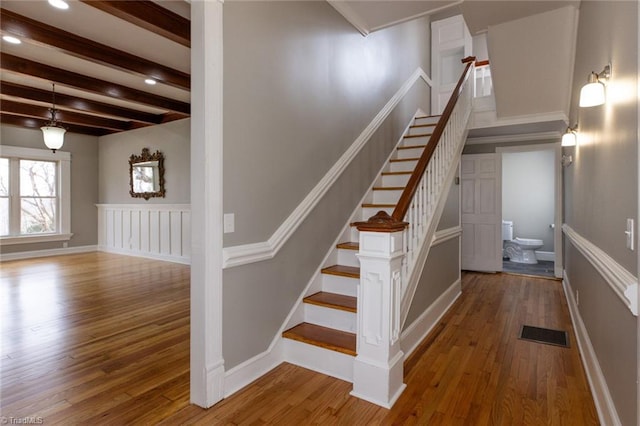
[532, 209]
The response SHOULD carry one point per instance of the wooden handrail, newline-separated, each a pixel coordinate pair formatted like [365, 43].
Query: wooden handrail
[482, 63]
[407, 195]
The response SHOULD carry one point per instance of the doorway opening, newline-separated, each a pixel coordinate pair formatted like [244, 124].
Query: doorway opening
[531, 207]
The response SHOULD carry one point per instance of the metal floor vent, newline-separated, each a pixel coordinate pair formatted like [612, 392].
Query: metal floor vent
[545, 335]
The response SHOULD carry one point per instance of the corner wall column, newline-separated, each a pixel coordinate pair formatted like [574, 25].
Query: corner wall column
[206, 362]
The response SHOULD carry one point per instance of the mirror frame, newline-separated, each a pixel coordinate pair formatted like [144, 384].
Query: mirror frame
[144, 157]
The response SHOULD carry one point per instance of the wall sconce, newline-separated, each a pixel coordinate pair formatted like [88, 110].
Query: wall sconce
[570, 138]
[592, 93]
[566, 160]
[53, 132]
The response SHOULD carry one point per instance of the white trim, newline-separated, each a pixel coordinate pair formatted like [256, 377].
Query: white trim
[156, 206]
[256, 252]
[623, 283]
[605, 407]
[350, 15]
[63, 171]
[243, 374]
[415, 333]
[524, 119]
[154, 256]
[33, 238]
[4, 257]
[206, 378]
[521, 137]
[546, 255]
[446, 234]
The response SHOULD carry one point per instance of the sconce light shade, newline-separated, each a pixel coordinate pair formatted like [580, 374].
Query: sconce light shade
[570, 137]
[53, 136]
[592, 93]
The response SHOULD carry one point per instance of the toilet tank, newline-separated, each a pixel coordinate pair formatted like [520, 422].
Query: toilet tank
[507, 230]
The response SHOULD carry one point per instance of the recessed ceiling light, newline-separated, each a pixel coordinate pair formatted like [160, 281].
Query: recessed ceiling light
[59, 4]
[11, 39]
[150, 81]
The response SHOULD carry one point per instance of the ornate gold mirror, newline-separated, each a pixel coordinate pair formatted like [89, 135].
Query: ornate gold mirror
[146, 175]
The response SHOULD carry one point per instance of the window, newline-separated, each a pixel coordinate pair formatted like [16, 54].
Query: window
[34, 195]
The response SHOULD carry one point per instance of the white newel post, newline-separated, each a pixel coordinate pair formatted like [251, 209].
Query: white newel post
[378, 367]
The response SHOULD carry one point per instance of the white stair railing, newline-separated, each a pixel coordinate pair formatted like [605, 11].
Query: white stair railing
[393, 250]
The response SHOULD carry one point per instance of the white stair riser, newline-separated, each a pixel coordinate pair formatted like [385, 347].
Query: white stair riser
[426, 120]
[367, 212]
[331, 318]
[421, 130]
[354, 233]
[395, 180]
[422, 140]
[403, 166]
[409, 153]
[326, 361]
[348, 257]
[340, 285]
[387, 197]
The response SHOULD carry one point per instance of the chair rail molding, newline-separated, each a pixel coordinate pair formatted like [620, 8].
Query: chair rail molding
[623, 283]
[264, 250]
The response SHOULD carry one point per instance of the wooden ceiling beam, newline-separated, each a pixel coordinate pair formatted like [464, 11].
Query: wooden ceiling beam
[63, 116]
[79, 104]
[34, 123]
[25, 66]
[150, 16]
[38, 32]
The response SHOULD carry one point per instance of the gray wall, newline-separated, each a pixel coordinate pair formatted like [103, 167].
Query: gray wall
[172, 139]
[84, 184]
[528, 194]
[601, 189]
[536, 50]
[300, 85]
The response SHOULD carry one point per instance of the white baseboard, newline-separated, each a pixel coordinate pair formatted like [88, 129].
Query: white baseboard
[252, 369]
[601, 397]
[146, 255]
[414, 334]
[45, 253]
[546, 255]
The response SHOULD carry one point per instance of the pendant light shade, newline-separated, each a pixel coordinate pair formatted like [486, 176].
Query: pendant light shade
[53, 132]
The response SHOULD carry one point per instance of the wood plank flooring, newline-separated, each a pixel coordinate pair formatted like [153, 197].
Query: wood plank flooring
[104, 339]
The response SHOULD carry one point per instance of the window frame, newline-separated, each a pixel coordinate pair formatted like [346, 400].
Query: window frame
[63, 171]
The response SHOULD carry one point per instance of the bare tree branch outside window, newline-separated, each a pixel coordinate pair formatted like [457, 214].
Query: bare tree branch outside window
[38, 198]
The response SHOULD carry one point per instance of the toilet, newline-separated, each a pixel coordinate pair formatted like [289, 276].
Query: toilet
[519, 250]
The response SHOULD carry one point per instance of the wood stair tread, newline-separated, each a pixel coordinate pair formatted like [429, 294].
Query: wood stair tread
[417, 136]
[388, 188]
[333, 301]
[397, 160]
[423, 125]
[411, 147]
[342, 271]
[328, 338]
[427, 116]
[395, 173]
[349, 245]
[378, 205]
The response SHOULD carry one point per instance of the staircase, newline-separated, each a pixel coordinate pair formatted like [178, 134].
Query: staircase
[324, 339]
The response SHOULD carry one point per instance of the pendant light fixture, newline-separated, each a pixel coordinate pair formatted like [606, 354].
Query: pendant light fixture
[53, 132]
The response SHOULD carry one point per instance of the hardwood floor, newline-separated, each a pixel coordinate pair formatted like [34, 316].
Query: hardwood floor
[104, 339]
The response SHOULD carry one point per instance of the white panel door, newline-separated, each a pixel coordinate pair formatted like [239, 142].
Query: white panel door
[450, 43]
[481, 204]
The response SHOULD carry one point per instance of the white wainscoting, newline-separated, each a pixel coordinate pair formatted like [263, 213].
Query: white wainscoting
[156, 231]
